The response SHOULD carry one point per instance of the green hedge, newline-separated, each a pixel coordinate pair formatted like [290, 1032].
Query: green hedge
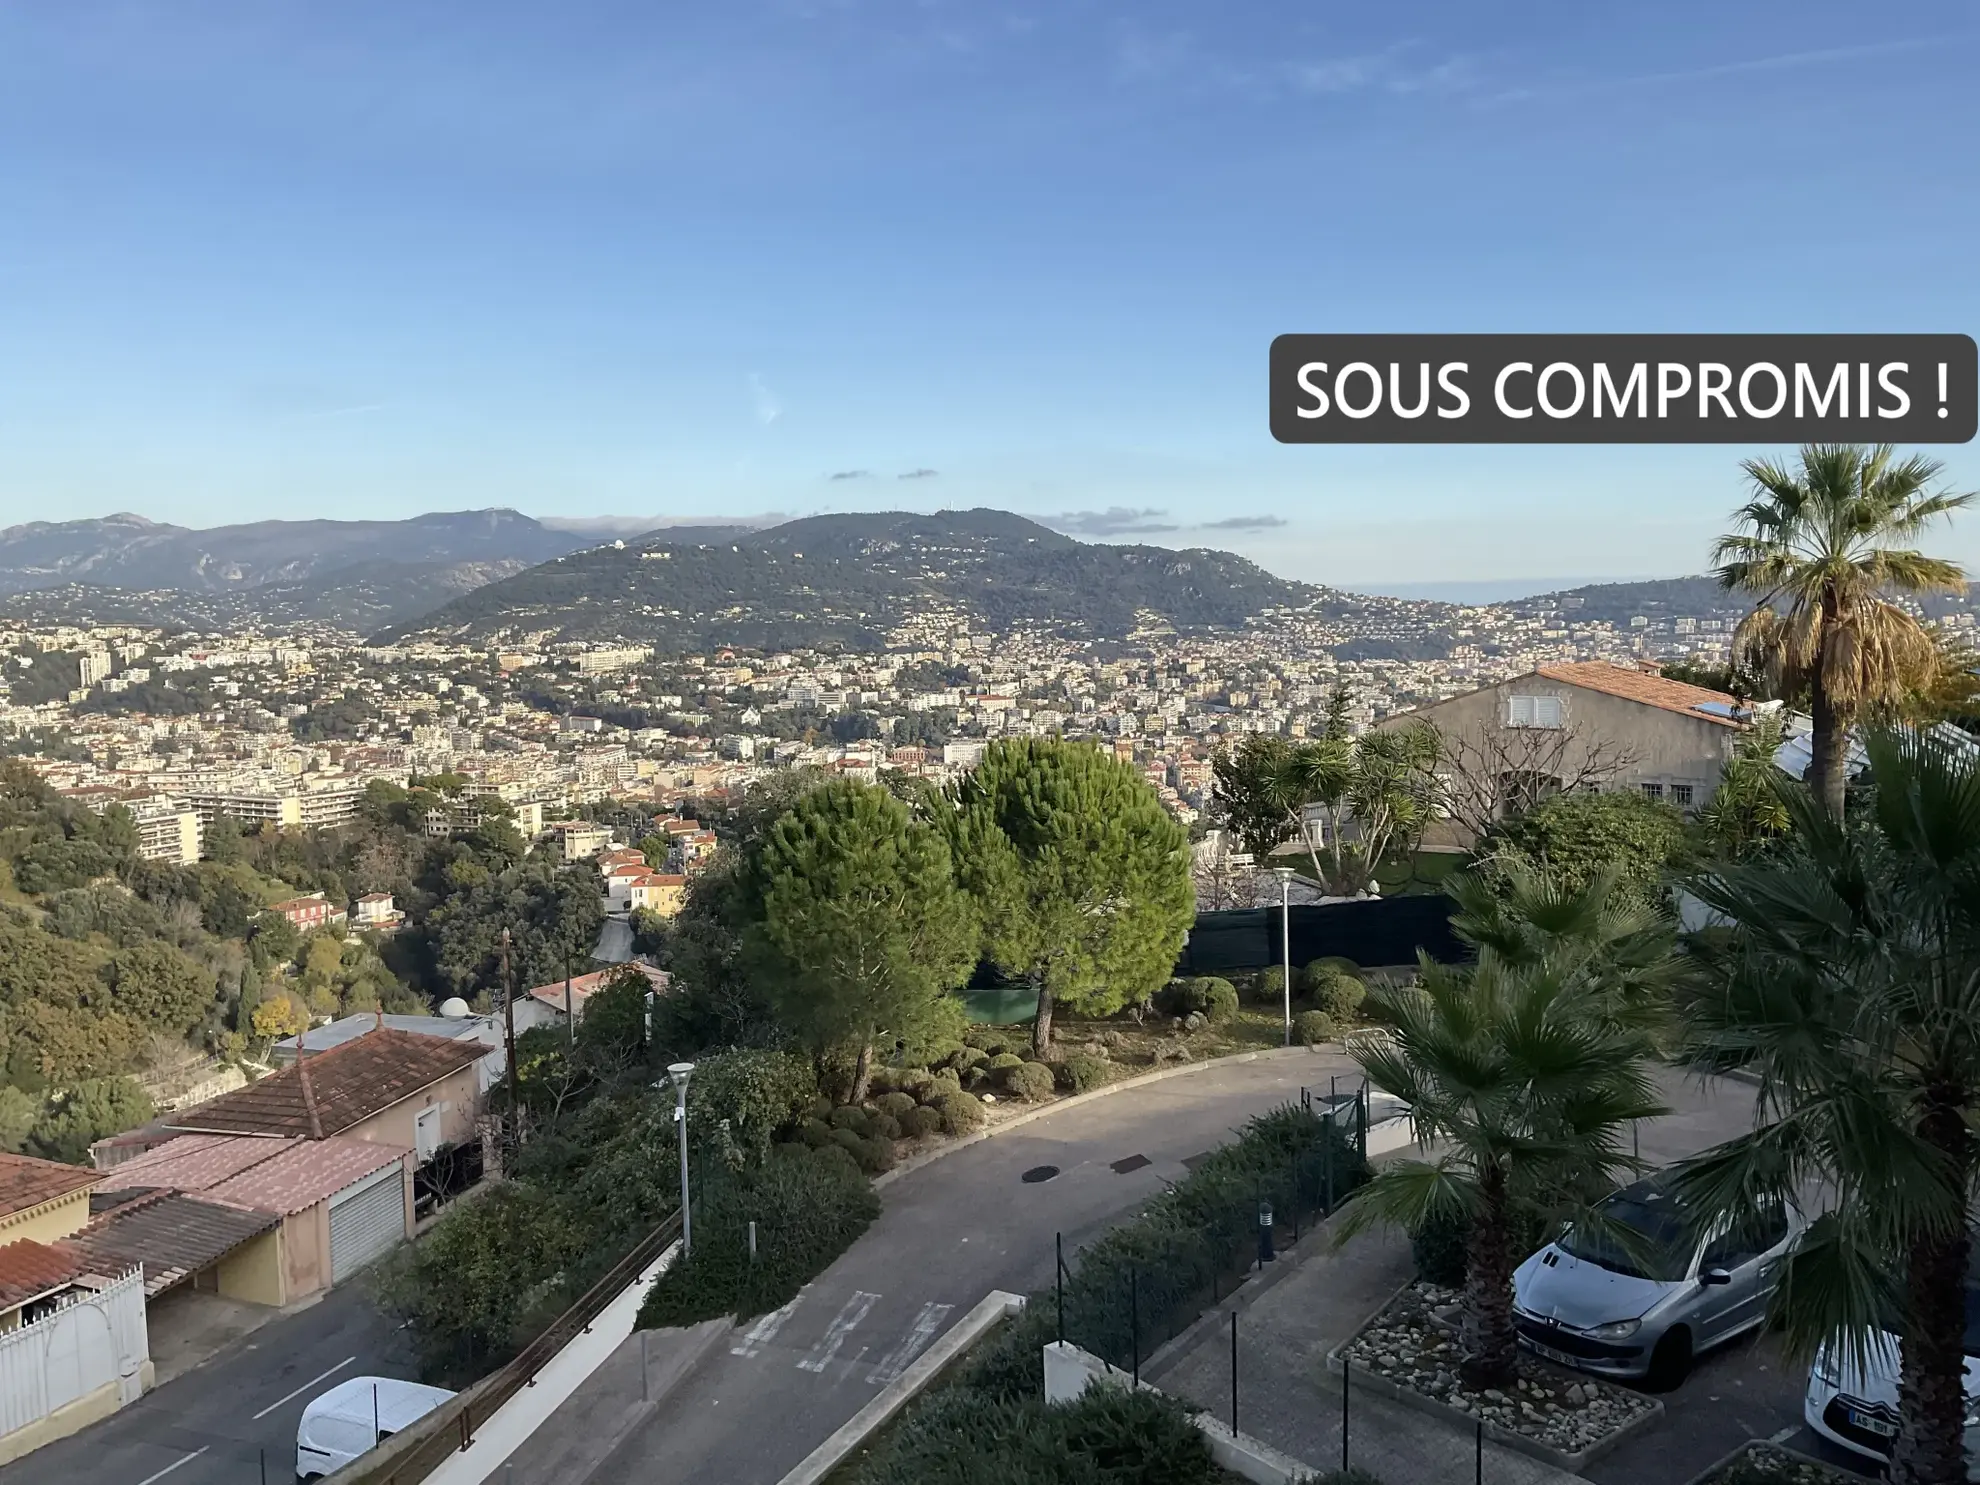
[807, 1212]
[1201, 1230]
[1109, 1436]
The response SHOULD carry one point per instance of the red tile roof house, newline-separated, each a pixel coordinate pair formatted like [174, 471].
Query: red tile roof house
[331, 1131]
[543, 1005]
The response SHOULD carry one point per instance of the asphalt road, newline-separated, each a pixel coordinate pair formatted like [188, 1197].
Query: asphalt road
[949, 1234]
[210, 1426]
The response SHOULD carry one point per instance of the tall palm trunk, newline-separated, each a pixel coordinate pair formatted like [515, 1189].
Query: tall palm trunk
[1489, 1341]
[1829, 743]
[1041, 1026]
[1930, 1446]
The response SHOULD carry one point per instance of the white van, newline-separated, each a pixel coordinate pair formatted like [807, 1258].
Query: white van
[356, 1416]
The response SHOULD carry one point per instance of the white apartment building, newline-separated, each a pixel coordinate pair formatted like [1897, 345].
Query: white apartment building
[168, 830]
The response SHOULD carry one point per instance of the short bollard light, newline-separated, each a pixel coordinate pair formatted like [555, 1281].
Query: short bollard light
[1265, 1253]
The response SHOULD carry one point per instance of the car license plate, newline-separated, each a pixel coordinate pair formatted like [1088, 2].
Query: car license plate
[1559, 1357]
[1871, 1423]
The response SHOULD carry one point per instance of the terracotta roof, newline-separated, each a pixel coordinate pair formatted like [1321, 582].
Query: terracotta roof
[1632, 684]
[26, 1182]
[192, 1162]
[173, 1235]
[29, 1270]
[307, 1172]
[326, 1093]
[583, 986]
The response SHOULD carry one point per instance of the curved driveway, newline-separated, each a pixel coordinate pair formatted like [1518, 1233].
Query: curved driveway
[949, 1233]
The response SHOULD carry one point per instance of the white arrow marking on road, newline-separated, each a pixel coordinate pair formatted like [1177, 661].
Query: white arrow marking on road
[850, 1314]
[764, 1331]
[890, 1366]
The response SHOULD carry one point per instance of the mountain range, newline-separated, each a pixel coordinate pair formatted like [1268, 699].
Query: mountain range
[850, 579]
[833, 579]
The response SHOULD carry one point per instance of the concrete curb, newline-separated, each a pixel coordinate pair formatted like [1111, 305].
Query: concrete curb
[701, 1338]
[1059, 1105]
[1704, 1476]
[994, 1308]
[1381, 1386]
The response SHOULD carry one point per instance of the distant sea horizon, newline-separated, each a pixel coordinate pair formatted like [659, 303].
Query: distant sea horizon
[1492, 590]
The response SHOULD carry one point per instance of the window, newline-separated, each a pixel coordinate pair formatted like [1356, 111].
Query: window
[1681, 796]
[1653, 791]
[1533, 711]
[1759, 1232]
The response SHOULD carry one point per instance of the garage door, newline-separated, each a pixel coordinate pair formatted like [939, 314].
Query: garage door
[365, 1220]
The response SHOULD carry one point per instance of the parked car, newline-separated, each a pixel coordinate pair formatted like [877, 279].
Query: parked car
[354, 1417]
[1642, 1291]
[1856, 1407]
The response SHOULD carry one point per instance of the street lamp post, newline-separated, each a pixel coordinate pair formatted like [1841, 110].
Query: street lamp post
[1285, 876]
[677, 1074]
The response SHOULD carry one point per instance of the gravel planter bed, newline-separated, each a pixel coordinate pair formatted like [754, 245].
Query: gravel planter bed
[1413, 1344]
[1767, 1464]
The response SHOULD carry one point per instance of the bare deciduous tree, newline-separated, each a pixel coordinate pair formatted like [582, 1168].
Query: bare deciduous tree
[1490, 771]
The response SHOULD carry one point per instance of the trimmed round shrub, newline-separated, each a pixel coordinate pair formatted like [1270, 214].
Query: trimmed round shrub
[886, 1127]
[816, 1133]
[1332, 989]
[919, 1086]
[1270, 987]
[1313, 1028]
[840, 1158]
[1003, 1060]
[821, 1107]
[945, 1082]
[917, 1122]
[1030, 1081]
[849, 1140]
[988, 1039]
[962, 1113]
[850, 1118]
[1438, 1246]
[1082, 1073]
[790, 1150]
[896, 1104]
[879, 1079]
[1220, 999]
[875, 1156]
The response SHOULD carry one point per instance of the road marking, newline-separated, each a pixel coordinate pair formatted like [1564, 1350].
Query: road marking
[292, 1396]
[890, 1366]
[1785, 1434]
[850, 1314]
[764, 1331]
[183, 1459]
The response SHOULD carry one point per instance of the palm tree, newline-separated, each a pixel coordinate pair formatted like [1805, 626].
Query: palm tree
[1849, 984]
[1529, 1068]
[1823, 543]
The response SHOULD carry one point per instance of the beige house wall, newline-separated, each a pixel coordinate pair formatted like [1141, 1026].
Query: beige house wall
[254, 1271]
[455, 1094]
[1666, 747]
[60, 1218]
[305, 1252]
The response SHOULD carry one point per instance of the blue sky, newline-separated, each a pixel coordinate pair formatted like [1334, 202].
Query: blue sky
[276, 258]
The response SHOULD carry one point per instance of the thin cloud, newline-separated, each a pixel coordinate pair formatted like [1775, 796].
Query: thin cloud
[1245, 523]
[1388, 71]
[852, 474]
[1783, 62]
[768, 407]
[1117, 520]
[918, 474]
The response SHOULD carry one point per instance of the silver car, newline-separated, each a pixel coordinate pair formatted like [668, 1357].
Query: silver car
[1643, 1302]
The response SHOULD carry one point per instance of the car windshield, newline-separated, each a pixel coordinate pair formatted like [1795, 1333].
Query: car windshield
[1654, 1243]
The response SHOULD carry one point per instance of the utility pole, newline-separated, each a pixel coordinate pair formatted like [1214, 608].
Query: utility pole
[509, 1034]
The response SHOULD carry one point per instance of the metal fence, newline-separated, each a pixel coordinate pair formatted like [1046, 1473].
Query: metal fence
[1126, 1311]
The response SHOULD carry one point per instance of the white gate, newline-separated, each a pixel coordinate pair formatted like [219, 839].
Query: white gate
[366, 1220]
[97, 1339]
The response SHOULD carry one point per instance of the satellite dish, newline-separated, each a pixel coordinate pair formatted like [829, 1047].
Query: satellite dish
[455, 1008]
